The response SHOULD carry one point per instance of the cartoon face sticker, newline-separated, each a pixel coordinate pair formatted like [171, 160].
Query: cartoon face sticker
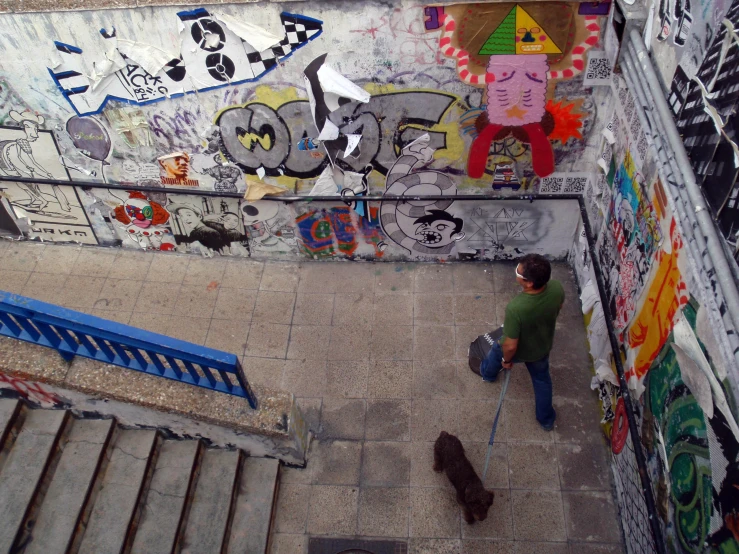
[517, 96]
[438, 229]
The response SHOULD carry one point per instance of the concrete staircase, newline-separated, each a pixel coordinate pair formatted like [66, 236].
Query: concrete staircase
[70, 485]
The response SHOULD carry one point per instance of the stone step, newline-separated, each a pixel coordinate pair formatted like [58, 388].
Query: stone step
[253, 510]
[120, 489]
[25, 467]
[207, 525]
[171, 486]
[70, 486]
[9, 408]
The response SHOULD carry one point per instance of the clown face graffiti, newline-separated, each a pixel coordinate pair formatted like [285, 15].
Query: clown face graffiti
[144, 222]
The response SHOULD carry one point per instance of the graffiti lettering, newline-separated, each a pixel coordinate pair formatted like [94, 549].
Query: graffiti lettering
[255, 135]
[327, 233]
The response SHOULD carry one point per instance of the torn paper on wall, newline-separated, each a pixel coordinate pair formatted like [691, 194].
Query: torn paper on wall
[256, 190]
[325, 184]
[260, 39]
[150, 58]
[351, 146]
[718, 122]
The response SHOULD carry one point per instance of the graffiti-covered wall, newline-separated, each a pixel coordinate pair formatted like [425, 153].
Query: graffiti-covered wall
[341, 99]
[673, 353]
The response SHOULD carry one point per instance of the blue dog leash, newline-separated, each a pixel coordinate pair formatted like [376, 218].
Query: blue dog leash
[495, 422]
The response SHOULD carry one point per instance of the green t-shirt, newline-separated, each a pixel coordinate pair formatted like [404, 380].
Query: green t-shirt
[531, 319]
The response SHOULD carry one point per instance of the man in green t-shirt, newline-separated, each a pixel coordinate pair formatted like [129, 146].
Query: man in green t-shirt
[528, 332]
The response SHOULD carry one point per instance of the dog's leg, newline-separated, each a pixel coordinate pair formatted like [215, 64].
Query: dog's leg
[438, 458]
[466, 513]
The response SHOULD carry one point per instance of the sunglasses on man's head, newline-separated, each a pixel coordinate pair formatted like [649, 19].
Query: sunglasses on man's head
[519, 275]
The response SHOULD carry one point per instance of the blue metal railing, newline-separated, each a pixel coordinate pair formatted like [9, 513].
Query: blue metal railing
[73, 334]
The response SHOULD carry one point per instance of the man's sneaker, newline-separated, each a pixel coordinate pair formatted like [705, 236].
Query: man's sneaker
[547, 427]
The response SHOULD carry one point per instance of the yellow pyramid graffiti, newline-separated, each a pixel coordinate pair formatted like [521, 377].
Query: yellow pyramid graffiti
[530, 37]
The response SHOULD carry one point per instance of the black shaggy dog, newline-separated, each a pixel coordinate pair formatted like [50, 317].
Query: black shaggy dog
[471, 495]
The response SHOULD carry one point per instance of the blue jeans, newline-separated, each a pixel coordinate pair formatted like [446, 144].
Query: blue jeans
[540, 379]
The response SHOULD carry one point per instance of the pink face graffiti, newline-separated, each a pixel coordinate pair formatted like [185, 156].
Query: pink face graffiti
[517, 96]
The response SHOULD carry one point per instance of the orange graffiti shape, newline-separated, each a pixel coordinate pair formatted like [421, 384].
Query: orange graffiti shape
[567, 124]
[666, 295]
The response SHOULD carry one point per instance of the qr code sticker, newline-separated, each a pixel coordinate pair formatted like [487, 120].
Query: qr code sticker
[575, 184]
[629, 106]
[551, 184]
[598, 70]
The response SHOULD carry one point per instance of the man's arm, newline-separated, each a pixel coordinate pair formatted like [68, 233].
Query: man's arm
[509, 350]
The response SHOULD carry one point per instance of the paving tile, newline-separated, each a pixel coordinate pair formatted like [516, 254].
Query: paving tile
[434, 278]
[521, 422]
[233, 303]
[388, 420]
[498, 473]
[190, 329]
[267, 340]
[263, 371]
[299, 475]
[131, 264]
[284, 543]
[394, 278]
[309, 342]
[393, 309]
[343, 419]
[570, 346]
[384, 512]
[433, 343]
[333, 510]
[336, 462]
[435, 379]
[315, 277]
[392, 342]
[433, 309]
[538, 514]
[584, 466]
[476, 309]
[311, 408]
[390, 379]
[242, 274]
[533, 466]
[487, 546]
[14, 281]
[291, 511]
[94, 262]
[475, 421]
[585, 548]
[203, 271]
[159, 298]
[168, 268]
[524, 547]
[431, 416]
[519, 386]
[228, 335]
[80, 291]
[577, 422]
[22, 257]
[113, 315]
[473, 277]
[280, 277]
[274, 307]
[571, 382]
[504, 277]
[498, 524]
[422, 466]
[386, 464]
[349, 343]
[434, 546]
[347, 379]
[196, 300]
[152, 322]
[59, 260]
[353, 277]
[313, 309]
[354, 309]
[591, 517]
[301, 377]
[434, 513]
[47, 287]
[118, 294]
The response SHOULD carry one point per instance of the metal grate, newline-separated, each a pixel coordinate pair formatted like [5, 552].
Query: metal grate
[352, 546]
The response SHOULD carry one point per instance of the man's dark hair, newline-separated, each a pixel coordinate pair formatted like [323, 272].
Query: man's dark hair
[536, 269]
[435, 215]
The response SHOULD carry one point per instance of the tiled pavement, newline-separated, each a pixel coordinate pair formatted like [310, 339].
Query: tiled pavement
[377, 355]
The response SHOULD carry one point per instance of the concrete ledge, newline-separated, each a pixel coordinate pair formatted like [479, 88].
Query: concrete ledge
[276, 429]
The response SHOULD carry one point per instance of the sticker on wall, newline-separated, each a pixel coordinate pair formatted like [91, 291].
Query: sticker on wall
[269, 227]
[421, 227]
[142, 222]
[208, 226]
[212, 55]
[505, 177]
[598, 71]
[175, 169]
[564, 183]
[27, 151]
[514, 52]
